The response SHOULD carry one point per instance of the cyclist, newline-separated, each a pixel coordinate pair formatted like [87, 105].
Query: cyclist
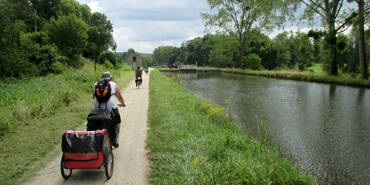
[105, 83]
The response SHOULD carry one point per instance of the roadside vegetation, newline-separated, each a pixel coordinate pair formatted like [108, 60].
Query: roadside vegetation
[35, 112]
[192, 142]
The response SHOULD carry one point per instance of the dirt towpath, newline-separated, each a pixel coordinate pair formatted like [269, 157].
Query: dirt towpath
[131, 164]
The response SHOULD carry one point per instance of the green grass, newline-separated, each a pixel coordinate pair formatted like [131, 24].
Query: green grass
[192, 142]
[27, 146]
[318, 76]
[24, 100]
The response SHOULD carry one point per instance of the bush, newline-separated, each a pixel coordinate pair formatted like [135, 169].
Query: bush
[253, 61]
[107, 56]
[108, 64]
[57, 67]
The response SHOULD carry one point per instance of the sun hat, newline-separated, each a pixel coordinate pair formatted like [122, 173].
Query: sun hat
[106, 76]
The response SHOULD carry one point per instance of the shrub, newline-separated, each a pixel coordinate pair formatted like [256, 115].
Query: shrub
[253, 61]
[107, 56]
[108, 64]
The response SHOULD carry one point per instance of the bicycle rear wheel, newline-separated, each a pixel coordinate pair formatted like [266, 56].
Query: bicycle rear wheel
[109, 164]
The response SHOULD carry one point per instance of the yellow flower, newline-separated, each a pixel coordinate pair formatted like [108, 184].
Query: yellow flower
[195, 162]
[227, 101]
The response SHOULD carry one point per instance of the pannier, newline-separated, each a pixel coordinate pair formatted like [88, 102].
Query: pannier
[99, 119]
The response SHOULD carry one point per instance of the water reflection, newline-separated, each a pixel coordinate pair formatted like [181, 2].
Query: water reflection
[324, 128]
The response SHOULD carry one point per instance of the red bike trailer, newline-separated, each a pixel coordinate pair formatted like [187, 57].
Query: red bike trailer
[86, 150]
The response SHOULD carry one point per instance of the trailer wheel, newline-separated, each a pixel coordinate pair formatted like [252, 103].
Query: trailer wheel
[66, 173]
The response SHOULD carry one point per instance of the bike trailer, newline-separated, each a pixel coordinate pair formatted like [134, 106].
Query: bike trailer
[85, 149]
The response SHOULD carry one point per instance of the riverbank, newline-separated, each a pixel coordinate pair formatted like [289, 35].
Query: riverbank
[303, 76]
[30, 143]
[290, 75]
[192, 142]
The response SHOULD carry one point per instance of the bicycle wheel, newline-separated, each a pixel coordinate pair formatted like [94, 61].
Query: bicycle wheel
[109, 164]
[66, 173]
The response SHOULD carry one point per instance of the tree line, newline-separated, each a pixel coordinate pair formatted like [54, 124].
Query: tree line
[39, 37]
[240, 41]
[287, 50]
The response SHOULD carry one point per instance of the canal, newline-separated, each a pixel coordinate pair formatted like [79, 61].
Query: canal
[324, 129]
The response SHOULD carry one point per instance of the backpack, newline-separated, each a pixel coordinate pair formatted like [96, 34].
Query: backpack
[103, 91]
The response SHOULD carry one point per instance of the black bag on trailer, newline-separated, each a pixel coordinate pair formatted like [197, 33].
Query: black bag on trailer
[82, 142]
[99, 119]
[85, 149]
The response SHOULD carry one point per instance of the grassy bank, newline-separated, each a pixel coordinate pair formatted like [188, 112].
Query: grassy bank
[315, 76]
[304, 76]
[192, 142]
[61, 101]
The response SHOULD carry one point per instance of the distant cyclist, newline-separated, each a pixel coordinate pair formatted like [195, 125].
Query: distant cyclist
[138, 77]
[138, 72]
[104, 93]
[146, 69]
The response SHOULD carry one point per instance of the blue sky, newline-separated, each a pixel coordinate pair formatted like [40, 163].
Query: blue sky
[147, 24]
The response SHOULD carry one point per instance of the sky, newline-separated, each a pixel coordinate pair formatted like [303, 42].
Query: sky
[147, 24]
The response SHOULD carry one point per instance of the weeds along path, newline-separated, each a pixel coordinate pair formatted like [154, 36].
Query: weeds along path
[131, 165]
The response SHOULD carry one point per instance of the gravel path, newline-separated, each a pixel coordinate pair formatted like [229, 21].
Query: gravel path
[131, 164]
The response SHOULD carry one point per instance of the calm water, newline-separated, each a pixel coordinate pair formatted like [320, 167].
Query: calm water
[324, 129]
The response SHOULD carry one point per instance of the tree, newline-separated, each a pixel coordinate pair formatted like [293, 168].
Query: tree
[100, 36]
[85, 13]
[43, 10]
[316, 36]
[197, 50]
[12, 60]
[260, 44]
[69, 34]
[283, 54]
[148, 61]
[334, 18]
[304, 50]
[363, 11]
[165, 55]
[224, 52]
[238, 17]
[67, 7]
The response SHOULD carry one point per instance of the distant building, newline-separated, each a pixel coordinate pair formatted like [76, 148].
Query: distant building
[134, 60]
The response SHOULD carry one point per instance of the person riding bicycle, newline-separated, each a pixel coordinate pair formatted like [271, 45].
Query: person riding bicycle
[138, 77]
[138, 72]
[107, 84]
[146, 69]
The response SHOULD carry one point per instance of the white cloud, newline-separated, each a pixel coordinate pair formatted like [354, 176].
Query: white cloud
[147, 24]
[293, 29]
[94, 6]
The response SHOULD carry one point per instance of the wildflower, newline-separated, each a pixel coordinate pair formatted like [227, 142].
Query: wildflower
[227, 101]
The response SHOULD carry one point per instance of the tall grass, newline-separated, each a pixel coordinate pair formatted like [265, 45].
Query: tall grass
[24, 100]
[192, 142]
